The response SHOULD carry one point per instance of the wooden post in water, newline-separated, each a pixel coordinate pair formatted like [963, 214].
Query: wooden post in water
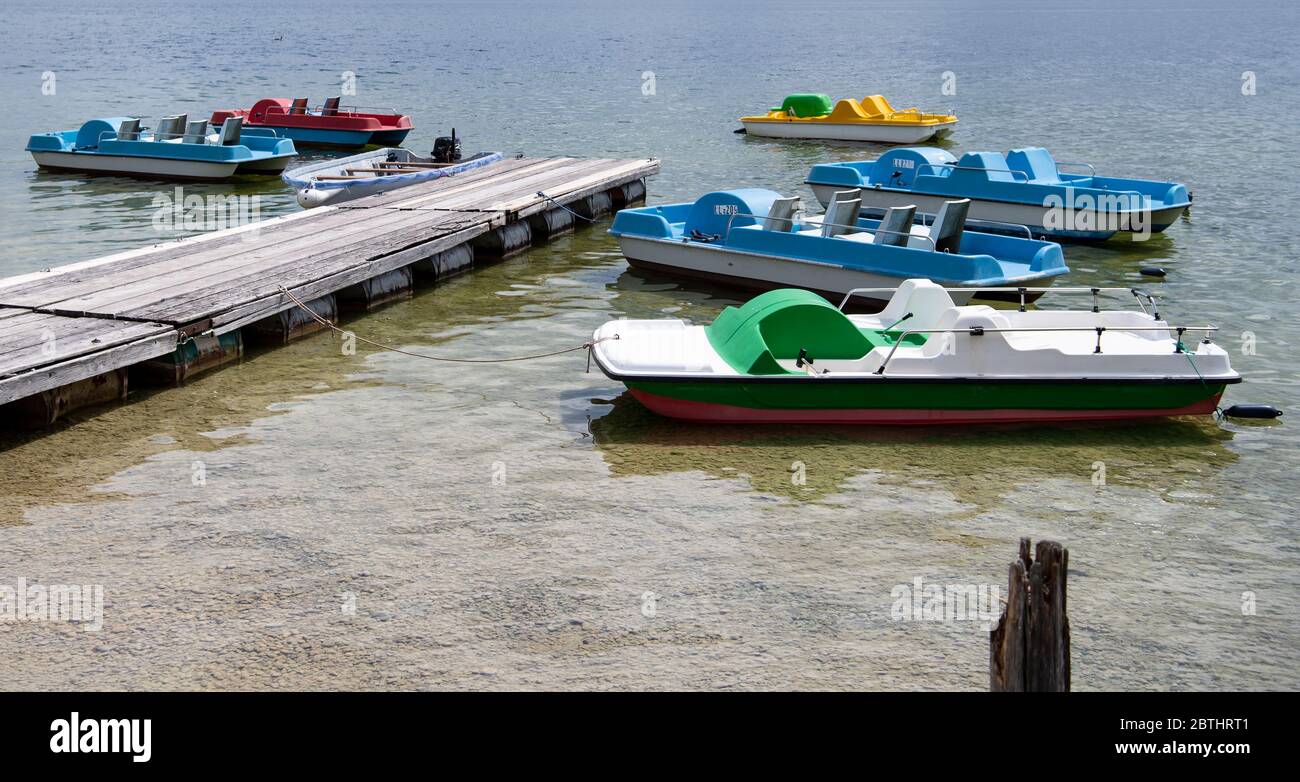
[1029, 650]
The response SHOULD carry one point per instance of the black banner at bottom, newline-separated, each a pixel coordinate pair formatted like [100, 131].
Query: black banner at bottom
[215, 731]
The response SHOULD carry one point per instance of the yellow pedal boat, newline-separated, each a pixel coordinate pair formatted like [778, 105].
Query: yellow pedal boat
[811, 115]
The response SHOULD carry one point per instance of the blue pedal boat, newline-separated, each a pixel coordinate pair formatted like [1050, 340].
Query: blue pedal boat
[755, 239]
[1025, 187]
[176, 150]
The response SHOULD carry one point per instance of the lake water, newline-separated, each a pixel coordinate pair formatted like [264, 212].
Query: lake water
[378, 521]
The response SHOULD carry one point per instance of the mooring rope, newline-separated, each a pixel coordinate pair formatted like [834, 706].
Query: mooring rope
[565, 208]
[1218, 411]
[329, 324]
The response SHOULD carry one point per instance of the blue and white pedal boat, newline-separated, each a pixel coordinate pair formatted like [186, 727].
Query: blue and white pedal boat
[176, 149]
[755, 239]
[1025, 187]
[371, 173]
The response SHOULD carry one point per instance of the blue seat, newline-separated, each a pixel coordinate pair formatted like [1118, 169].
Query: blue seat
[993, 164]
[1037, 163]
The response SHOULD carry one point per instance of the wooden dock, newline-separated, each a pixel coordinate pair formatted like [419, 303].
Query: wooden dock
[69, 335]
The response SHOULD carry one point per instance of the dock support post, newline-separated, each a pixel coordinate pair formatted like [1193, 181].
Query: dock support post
[369, 295]
[200, 353]
[291, 324]
[1029, 650]
[628, 193]
[501, 243]
[446, 263]
[594, 206]
[550, 224]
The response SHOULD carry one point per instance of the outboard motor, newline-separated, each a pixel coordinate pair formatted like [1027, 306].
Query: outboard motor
[446, 149]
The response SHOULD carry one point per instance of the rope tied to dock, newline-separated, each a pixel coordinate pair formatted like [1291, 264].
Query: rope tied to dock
[329, 324]
[540, 194]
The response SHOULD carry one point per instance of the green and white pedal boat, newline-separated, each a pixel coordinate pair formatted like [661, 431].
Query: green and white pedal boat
[789, 356]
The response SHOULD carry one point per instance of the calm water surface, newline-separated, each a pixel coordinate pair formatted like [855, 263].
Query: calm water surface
[380, 521]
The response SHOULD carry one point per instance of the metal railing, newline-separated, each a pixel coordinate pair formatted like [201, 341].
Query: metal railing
[1137, 293]
[793, 222]
[975, 168]
[148, 134]
[338, 111]
[972, 223]
[1092, 171]
[920, 115]
[977, 331]
[990, 224]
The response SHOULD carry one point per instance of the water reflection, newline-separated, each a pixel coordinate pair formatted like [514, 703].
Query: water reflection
[979, 465]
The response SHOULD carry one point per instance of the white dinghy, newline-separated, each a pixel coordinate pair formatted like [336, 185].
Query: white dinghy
[369, 173]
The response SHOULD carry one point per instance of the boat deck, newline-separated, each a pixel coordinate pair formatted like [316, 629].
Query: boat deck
[76, 322]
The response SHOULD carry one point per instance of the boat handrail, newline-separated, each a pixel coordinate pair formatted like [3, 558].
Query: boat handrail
[976, 331]
[1137, 293]
[338, 110]
[857, 228]
[920, 115]
[156, 136]
[999, 224]
[975, 168]
[109, 135]
[975, 223]
[1092, 171]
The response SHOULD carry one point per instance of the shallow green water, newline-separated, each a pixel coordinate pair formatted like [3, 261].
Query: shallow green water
[499, 526]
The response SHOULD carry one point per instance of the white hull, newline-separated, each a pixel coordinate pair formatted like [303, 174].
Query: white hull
[135, 166]
[834, 131]
[270, 165]
[756, 272]
[312, 191]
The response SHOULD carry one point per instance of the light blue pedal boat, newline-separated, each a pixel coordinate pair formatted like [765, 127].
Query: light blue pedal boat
[1024, 187]
[176, 150]
[756, 240]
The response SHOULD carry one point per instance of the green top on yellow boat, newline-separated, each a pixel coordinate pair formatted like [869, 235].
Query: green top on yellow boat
[815, 115]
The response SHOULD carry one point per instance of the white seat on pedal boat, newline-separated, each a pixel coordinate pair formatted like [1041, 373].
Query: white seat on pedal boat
[840, 217]
[129, 130]
[926, 300]
[230, 131]
[196, 132]
[780, 217]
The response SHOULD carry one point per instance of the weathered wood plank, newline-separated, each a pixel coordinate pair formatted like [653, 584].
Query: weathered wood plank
[564, 186]
[38, 327]
[459, 195]
[236, 317]
[76, 293]
[517, 188]
[154, 267]
[503, 171]
[180, 283]
[51, 343]
[573, 191]
[145, 256]
[211, 300]
[69, 369]
[132, 305]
